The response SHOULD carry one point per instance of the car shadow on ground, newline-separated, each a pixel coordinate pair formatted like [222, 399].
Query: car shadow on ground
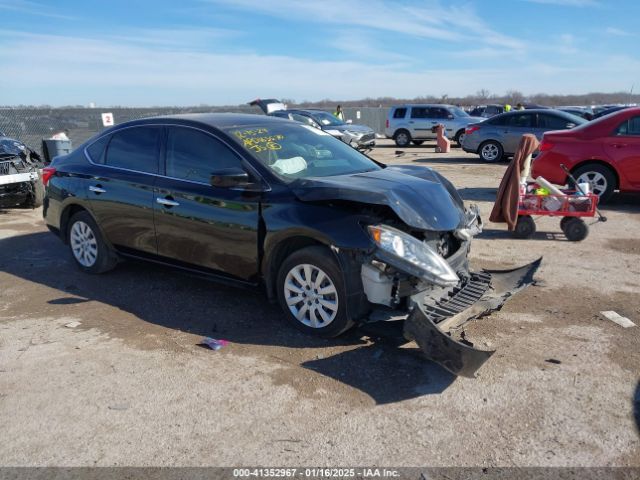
[478, 194]
[368, 358]
[498, 234]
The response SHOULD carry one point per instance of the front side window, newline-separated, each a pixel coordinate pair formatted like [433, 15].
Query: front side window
[194, 155]
[630, 127]
[438, 112]
[553, 122]
[294, 151]
[520, 120]
[134, 148]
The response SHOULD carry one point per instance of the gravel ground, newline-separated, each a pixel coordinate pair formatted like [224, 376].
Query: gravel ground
[130, 386]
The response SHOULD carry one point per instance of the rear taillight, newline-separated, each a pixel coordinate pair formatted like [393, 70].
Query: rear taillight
[47, 173]
[545, 145]
[387, 123]
[470, 130]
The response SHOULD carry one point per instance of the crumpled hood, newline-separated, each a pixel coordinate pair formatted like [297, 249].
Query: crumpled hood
[420, 196]
[10, 147]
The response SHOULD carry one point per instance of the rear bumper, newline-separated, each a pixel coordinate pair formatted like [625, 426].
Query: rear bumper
[437, 325]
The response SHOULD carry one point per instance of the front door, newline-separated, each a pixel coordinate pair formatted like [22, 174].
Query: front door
[623, 148]
[121, 194]
[421, 123]
[198, 224]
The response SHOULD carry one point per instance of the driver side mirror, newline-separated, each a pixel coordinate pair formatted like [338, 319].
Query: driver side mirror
[230, 177]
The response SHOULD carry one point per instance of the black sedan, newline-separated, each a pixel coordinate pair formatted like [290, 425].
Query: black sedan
[337, 238]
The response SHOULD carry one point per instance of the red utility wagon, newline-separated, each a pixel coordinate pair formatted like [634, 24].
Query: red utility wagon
[570, 206]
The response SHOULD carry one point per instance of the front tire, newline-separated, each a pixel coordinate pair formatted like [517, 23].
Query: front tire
[491, 151]
[402, 138]
[575, 229]
[88, 249]
[525, 227]
[601, 179]
[311, 292]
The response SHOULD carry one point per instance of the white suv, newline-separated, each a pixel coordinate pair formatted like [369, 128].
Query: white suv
[414, 123]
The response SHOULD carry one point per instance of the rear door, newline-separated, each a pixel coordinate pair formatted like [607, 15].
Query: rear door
[623, 148]
[198, 224]
[515, 126]
[121, 195]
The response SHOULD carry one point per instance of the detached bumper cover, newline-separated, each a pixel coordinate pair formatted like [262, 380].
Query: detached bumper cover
[434, 324]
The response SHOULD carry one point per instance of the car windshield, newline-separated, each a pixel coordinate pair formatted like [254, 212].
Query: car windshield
[458, 112]
[326, 119]
[295, 151]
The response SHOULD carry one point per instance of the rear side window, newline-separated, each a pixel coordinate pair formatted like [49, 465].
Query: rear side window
[420, 112]
[498, 121]
[134, 148]
[400, 113]
[194, 155]
[630, 127]
[98, 149]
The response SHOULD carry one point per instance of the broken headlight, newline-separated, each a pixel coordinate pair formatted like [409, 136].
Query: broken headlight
[412, 256]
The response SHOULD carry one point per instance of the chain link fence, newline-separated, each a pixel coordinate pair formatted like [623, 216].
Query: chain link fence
[32, 125]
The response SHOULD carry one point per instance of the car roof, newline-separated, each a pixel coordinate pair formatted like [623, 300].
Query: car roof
[216, 120]
[423, 105]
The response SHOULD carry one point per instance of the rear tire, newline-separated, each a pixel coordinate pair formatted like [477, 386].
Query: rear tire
[491, 151]
[601, 179]
[402, 138]
[575, 229]
[525, 227]
[312, 293]
[88, 249]
[459, 137]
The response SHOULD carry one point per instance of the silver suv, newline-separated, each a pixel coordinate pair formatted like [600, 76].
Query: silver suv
[414, 123]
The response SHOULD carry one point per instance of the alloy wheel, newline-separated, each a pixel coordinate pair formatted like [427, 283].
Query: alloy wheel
[83, 244]
[311, 296]
[597, 182]
[490, 152]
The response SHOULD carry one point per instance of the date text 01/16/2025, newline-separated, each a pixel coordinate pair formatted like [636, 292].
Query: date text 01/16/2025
[315, 473]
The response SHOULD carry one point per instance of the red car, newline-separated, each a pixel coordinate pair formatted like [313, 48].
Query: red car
[604, 153]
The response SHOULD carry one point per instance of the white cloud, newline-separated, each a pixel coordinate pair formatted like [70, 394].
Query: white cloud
[33, 8]
[431, 20]
[116, 72]
[618, 32]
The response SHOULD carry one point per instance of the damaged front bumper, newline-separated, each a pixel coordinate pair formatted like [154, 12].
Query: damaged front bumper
[436, 325]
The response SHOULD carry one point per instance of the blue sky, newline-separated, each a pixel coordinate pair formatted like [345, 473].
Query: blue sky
[224, 52]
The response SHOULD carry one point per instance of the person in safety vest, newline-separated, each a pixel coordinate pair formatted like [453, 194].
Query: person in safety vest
[338, 113]
[507, 108]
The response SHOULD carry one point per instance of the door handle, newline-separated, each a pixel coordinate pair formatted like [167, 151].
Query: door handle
[619, 145]
[97, 189]
[167, 202]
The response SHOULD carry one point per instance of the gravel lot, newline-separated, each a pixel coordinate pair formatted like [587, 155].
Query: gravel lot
[131, 386]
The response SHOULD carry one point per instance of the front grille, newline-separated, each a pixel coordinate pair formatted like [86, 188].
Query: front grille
[458, 298]
[5, 168]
